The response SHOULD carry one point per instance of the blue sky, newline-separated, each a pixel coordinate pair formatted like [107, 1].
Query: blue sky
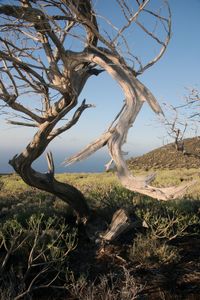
[177, 70]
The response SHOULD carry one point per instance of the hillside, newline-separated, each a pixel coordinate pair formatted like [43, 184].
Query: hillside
[167, 157]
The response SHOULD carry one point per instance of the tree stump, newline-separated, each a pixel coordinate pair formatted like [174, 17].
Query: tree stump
[121, 222]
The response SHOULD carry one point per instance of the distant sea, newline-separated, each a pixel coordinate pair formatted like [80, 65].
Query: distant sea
[93, 164]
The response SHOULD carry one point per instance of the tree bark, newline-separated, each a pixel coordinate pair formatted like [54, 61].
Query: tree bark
[46, 181]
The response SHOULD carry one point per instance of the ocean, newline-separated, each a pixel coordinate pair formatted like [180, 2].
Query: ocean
[93, 164]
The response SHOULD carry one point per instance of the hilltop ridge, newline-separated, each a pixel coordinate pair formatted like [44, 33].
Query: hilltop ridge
[167, 157]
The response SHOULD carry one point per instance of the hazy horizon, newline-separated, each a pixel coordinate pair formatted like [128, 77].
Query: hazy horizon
[94, 164]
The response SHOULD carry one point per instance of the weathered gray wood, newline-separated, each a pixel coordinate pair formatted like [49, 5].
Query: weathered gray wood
[121, 222]
[135, 96]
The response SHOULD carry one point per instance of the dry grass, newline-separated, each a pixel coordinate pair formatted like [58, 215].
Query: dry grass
[90, 181]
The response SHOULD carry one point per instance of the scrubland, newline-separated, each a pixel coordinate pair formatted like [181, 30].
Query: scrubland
[44, 254]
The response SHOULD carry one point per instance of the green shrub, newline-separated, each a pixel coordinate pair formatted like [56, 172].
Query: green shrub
[169, 220]
[34, 256]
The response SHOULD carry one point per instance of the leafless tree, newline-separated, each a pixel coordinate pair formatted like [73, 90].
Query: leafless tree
[182, 120]
[176, 126]
[49, 49]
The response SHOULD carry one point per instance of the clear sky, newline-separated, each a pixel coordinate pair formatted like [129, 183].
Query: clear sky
[177, 70]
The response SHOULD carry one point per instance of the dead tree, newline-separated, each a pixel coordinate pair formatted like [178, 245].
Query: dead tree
[181, 119]
[176, 126]
[38, 62]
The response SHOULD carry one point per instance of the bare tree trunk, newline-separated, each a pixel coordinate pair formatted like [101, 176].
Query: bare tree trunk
[46, 181]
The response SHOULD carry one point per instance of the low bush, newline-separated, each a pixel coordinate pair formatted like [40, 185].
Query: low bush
[34, 256]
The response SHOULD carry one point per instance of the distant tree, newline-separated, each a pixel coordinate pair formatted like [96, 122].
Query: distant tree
[49, 49]
[183, 120]
[176, 126]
